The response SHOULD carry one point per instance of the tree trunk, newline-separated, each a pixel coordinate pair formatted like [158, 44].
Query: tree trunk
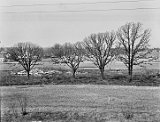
[130, 70]
[74, 73]
[102, 73]
[28, 75]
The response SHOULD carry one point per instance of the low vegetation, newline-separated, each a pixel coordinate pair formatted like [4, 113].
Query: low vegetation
[89, 103]
[74, 116]
[86, 76]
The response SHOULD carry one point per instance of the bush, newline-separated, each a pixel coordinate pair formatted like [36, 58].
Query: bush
[119, 77]
[9, 80]
[18, 103]
[17, 107]
[147, 78]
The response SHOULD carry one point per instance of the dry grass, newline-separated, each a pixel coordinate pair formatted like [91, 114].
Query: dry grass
[81, 103]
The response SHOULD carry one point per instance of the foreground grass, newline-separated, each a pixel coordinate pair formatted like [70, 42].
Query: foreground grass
[79, 103]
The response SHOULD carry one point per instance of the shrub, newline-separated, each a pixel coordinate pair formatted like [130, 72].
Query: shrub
[18, 102]
[119, 77]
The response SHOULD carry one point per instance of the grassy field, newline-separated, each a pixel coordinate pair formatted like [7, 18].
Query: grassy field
[97, 103]
[48, 99]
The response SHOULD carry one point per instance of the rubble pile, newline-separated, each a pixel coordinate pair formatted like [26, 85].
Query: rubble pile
[39, 72]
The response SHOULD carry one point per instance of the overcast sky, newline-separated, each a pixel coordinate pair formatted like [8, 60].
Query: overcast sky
[46, 22]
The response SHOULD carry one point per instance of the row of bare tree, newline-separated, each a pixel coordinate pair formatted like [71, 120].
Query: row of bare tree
[131, 48]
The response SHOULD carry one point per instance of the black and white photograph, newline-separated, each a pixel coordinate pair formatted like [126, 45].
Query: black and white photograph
[79, 60]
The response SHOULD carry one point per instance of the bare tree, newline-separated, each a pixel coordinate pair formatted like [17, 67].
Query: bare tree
[99, 49]
[133, 45]
[70, 54]
[57, 51]
[47, 52]
[27, 54]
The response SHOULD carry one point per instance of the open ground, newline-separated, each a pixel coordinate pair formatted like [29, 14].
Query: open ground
[109, 101]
